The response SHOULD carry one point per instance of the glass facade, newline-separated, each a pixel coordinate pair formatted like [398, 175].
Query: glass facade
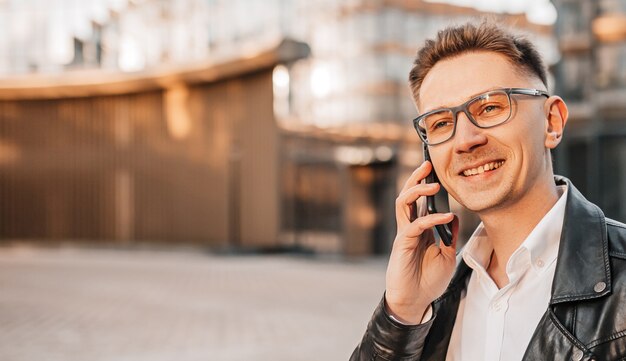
[611, 66]
[611, 6]
[591, 77]
[572, 73]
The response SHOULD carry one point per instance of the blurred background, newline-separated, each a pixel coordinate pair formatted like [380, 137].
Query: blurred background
[215, 179]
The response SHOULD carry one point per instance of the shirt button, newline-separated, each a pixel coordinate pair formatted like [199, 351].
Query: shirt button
[599, 287]
[578, 355]
[497, 306]
[540, 263]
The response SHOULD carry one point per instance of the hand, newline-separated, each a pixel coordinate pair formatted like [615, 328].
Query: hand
[419, 271]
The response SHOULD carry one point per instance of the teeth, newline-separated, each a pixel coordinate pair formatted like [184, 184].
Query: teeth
[483, 168]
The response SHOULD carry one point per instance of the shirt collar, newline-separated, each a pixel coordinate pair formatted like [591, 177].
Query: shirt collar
[541, 245]
[477, 251]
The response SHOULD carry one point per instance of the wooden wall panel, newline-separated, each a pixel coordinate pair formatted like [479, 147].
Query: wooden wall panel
[169, 155]
[259, 147]
[144, 167]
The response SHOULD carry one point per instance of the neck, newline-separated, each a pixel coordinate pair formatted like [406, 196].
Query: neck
[508, 226]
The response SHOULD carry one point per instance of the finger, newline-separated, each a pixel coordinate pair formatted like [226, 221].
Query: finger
[414, 230]
[408, 214]
[407, 199]
[414, 193]
[421, 224]
[418, 174]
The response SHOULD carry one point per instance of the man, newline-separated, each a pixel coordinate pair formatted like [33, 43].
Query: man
[543, 276]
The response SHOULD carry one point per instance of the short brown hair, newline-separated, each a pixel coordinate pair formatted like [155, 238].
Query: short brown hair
[484, 36]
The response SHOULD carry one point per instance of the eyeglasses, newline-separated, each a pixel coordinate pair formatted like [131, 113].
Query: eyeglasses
[484, 111]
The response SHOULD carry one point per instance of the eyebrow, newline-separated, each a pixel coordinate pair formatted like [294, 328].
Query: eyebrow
[446, 106]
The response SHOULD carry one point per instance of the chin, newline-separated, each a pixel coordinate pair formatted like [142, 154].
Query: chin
[479, 202]
[479, 206]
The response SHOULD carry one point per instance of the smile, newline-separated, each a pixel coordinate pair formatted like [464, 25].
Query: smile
[483, 168]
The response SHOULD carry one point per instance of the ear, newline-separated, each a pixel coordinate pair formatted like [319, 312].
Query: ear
[556, 117]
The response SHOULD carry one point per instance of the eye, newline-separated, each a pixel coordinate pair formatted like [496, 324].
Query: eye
[490, 108]
[437, 123]
[441, 124]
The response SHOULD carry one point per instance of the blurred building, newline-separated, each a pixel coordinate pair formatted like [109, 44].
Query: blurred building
[591, 77]
[168, 156]
[239, 141]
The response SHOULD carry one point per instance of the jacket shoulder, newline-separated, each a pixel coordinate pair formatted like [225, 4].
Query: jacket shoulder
[617, 238]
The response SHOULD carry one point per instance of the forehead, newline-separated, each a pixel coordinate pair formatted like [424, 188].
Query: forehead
[454, 80]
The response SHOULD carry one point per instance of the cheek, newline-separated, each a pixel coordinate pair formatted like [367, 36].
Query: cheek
[441, 163]
[535, 135]
[529, 130]
[439, 160]
[530, 145]
[535, 123]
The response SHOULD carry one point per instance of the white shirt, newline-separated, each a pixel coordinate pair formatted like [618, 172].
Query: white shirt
[497, 324]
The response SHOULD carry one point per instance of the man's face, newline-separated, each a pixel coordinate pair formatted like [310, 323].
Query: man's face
[518, 144]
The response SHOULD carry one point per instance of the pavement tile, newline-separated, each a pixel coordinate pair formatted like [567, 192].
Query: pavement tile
[99, 304]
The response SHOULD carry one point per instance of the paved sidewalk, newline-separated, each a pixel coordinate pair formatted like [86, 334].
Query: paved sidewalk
[85, 304]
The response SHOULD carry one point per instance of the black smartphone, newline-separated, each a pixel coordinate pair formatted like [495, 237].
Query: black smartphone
[436, 204]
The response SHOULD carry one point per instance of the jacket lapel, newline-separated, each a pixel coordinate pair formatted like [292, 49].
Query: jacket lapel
[436, 345]
[582, 269]
[582, 273]
[552, 338]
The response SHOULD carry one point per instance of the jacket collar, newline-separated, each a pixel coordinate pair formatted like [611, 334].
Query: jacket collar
[582, 269]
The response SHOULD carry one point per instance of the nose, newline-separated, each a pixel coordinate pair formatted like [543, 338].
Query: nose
[468, 136]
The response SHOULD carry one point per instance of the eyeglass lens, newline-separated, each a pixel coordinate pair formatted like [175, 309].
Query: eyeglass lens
[486, 111]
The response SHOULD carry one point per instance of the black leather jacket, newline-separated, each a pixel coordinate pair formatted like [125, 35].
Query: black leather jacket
[586, 317]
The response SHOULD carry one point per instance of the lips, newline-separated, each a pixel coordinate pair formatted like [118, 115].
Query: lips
[485, 167]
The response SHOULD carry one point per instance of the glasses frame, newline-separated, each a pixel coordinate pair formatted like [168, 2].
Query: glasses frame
[463, 108]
